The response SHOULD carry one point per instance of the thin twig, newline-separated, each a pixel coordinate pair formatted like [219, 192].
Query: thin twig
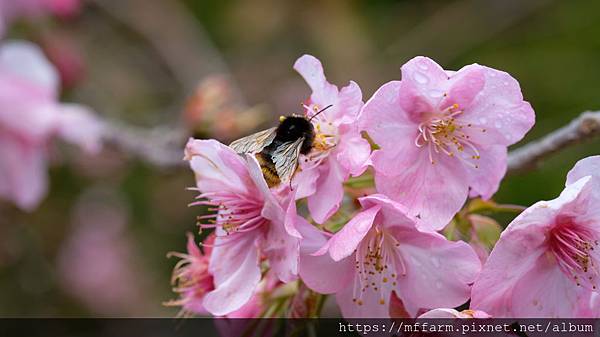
[584, 127]
[161, 147]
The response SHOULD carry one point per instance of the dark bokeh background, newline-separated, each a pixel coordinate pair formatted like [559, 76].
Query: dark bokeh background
[97, 244]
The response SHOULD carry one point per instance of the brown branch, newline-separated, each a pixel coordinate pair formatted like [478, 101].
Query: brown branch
[163, 147]
[584, 127]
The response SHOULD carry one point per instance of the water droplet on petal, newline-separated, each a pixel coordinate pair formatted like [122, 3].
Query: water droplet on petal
[420, 78]
[436, 93]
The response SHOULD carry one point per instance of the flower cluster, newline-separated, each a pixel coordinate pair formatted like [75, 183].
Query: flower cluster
[429, 142]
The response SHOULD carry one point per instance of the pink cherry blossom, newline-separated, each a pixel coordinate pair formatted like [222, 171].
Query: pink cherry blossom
[30, 117]
[381, 251]
[547, 262]
[340, 150]
[443, 135]
[191, 279]
[453, 313]
[250, 221]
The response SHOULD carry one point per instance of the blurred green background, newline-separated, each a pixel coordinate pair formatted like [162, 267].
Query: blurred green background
[97, 244]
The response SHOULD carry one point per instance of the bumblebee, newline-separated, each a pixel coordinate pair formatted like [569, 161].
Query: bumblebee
[277, 149]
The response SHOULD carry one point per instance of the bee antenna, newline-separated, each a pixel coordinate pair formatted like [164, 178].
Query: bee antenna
[318, 112]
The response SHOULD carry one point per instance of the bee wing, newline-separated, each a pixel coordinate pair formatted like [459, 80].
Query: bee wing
[255, 142]
[285, 159]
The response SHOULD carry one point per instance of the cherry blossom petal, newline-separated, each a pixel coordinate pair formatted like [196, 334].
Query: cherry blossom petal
[491, 168]
[23, 170]
[387, 123]
[438, 272]
[370, 305]
[324, 93]
[422, 87]
[321, 273]
[353, 153]
[392, 213]
[464, 86]
[328, 197]
[217, 167]
[344, 242]
[417, 186]
[589, 166]
[544, 291]
[304, 182]
[499, 109]
[235, 280]
[349, 104]
[27, 62]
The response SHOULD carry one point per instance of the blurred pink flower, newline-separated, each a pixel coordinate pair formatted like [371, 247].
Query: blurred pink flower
[99, 265]
[11, 10]
[30, 117]
[339, 151]
[381, 251]
[442, 133]
[453, 313]
[547, 262]
[249, 221]
[191, 279]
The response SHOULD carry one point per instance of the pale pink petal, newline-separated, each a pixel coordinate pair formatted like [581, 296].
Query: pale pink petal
[441, 313]
[348, 104]
[484, 179]
[452, 313]
[192, 247]
[27, 61]
[283, 251]
[422, 87]
[311, 69]
[500, 110]
[217, 167]
[272, 210]
[291, 216]
[330, 191]
[23, 169]
[392, 214]
[304, 182]
[432, 192]
[492, 290]
[545, 292]
[387, 123]
[353, 152]
[370, 302]
[321, 273]
[589, 166]
[236, 280]
[464, 86]
[77, 124]
[439, 273]
[344, 242]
